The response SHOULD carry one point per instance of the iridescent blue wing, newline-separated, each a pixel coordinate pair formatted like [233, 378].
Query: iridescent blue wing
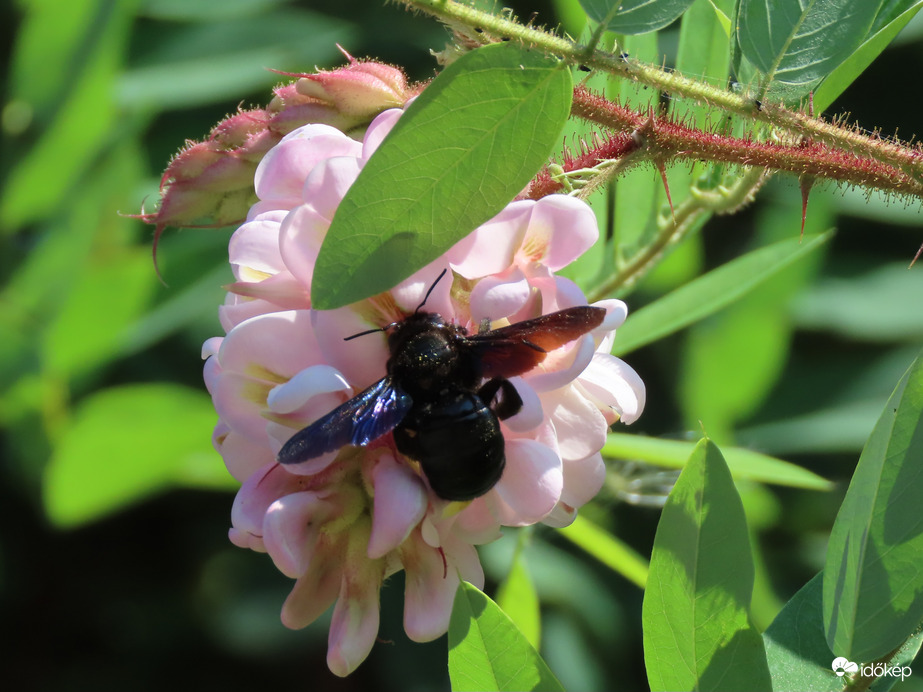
[366, 417]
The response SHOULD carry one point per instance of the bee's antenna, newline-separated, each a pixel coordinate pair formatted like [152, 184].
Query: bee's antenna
[394, 324]
[370, 331]
[426, 297]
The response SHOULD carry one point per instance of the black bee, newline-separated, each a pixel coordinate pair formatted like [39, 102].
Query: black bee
[444, 396]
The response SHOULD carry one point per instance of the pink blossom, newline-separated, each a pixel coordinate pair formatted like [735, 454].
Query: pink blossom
[342, 522]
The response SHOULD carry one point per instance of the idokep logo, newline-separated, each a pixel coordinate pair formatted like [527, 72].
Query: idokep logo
[841, 666]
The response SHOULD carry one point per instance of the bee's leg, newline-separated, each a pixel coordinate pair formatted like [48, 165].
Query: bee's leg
[509, 403]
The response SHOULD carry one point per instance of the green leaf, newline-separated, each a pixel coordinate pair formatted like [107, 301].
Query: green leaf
[797, 652]
[708, 294]
[871, 306]
[468, 144]
[744, 463]
[486, 651]
[844, 75]
[732, 360]
[126, 443]
[695, 615]
[608, 549]
[226, 57]
[518, 599]
[873, 585]
[797, 43]
[93, 322]
[634, 16]
[80, 112]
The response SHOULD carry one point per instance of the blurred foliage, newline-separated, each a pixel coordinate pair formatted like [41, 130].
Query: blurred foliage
[115, 570]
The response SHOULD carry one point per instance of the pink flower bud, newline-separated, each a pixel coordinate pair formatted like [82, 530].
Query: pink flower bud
[210, 183]
[358, 89]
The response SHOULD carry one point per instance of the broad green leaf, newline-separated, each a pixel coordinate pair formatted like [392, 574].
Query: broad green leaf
[847, 72]
[744, 463]
[126, 443]
[462, 150]
[873, 584]
[486, 651]
[634, 16]
[799, 42]
[608, 549]
[708, 294]
[695, 615]
[517, 598]
[797, 652]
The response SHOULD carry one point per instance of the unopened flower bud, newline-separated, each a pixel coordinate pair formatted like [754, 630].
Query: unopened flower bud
[360, 89]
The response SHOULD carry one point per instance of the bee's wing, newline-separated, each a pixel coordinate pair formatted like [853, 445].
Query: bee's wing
[518, 348]
[368, 415]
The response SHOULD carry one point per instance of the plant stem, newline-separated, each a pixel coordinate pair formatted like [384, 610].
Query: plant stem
[484, 27]
[687, 217]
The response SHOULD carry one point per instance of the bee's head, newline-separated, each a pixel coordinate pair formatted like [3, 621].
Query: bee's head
[402, 330]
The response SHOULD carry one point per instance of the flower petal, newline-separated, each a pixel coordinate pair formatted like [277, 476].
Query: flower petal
[281, 173]
[400, 503]
[354, 625]
[580, 427]
[429, 590]
[531, 484]
[314, 592]
[500, 295]
[615, 386]
[327, 183]
[561, 229]
[290, 531]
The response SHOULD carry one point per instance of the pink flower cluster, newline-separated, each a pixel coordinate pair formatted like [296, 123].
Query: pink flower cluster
[341, 523]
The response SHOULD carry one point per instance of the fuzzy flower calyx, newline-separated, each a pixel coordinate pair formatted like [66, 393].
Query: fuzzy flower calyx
[360, 89]
[340, 523]
[210, 183]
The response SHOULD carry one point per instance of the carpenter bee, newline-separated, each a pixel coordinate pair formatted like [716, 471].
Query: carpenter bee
[444, 396]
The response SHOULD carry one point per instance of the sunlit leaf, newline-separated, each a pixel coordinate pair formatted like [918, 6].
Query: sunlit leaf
[744, 463]
[732, 360]
[97, 312]
[126, 443]
[872, 580]
[695, 615]
[517, 598]
[467, 145]
[708, 294]
[486, 651]
[608, 549]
